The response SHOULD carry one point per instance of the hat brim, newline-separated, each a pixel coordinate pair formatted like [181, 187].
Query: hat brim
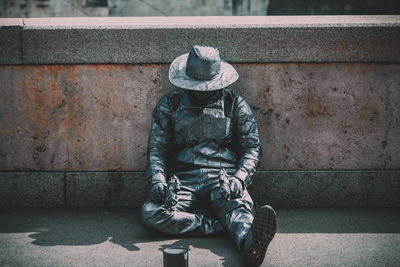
[177, 76]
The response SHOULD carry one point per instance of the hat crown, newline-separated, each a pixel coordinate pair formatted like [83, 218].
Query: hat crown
[203, 62]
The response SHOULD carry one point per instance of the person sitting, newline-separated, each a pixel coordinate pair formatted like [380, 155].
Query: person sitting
[204, 135]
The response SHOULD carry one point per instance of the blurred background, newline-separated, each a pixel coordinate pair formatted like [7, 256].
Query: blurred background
[121, 8]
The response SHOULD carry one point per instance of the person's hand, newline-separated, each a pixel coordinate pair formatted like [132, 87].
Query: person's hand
[236, 187]
[157, 192]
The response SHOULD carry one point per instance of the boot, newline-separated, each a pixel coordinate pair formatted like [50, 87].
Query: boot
[262, 232]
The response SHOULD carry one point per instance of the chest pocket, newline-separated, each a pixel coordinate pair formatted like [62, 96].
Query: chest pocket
[202, 127]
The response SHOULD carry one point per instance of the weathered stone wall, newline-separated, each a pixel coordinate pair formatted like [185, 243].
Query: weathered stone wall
[291, 39]
[287, 189]
[97, 117]
[76, 98]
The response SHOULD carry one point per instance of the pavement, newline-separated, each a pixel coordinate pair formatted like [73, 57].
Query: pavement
[114, 237]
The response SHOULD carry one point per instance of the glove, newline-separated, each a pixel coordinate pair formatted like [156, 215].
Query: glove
[157, 192]
[236, 187]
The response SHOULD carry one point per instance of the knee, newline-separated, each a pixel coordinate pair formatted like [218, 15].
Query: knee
[152, 215]
[245, 202]
[147, 211]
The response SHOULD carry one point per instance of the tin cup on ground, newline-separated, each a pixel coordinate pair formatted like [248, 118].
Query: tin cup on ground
[175, 257]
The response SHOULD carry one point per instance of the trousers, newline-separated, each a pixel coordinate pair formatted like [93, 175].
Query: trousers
[200, 190]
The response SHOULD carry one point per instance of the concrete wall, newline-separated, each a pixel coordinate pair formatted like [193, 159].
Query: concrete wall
[97, 117]
[292, 39]
[77, 95]
[293, 189]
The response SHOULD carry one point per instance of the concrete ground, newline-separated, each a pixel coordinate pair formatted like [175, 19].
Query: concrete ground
[113, 237]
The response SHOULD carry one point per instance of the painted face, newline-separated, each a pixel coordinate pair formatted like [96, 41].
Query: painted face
[203, 96]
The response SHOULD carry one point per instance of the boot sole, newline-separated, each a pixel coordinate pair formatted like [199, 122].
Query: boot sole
[263, 231]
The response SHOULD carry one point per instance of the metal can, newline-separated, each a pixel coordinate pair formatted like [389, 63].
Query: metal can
[175, 257]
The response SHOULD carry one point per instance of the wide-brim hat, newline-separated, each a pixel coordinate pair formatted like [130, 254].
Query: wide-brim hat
[202, 70]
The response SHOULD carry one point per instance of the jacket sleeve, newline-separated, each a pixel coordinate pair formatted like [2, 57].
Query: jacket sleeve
[159, 142]
[247, 141]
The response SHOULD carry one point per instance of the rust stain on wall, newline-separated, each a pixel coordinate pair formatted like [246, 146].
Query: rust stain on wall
[43, 103]
[265, 95]
[369, 113]
[53, 107]
[41, 94]
[50, 99]
[315, 106]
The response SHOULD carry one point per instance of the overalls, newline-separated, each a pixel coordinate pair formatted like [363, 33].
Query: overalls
[195, 142]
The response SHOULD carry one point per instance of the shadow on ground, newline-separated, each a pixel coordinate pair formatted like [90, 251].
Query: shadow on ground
[82, 227]
[77, 227]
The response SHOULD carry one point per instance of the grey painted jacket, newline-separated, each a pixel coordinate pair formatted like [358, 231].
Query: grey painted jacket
[188, 135]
